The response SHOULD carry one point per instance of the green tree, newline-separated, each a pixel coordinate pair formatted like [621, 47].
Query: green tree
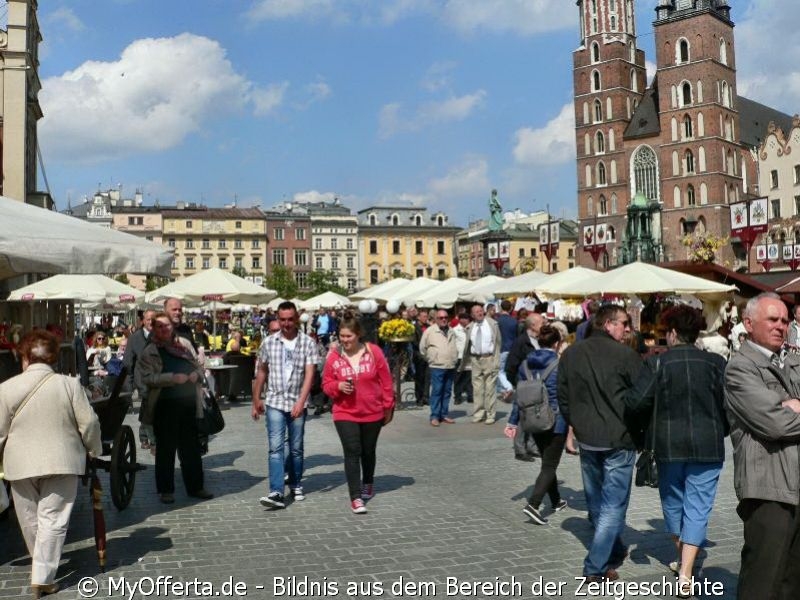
[320, 282]
[282, 281]
[239, 271]
[153, 282]
[123, 278]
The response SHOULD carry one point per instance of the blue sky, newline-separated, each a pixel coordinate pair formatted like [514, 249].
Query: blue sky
[430, 102]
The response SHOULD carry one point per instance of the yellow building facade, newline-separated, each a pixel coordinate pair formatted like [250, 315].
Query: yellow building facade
[404, 241]
[226, 238]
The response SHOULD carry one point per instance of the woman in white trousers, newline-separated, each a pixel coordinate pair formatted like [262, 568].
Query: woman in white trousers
[46, 428]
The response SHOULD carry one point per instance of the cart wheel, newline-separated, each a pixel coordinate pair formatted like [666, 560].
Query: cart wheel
[123, 467]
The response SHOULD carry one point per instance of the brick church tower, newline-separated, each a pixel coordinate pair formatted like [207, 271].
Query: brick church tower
[654, 164]
[609, 80]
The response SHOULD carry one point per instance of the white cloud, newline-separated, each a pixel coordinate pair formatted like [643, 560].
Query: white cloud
[466, 179]
[267, 99]
[155, 95]
[273, 10]
[523, 17]
[769, 72]
[392, 121]
[64, 18]
[552, 144]
[439, 76]
[314, 92]
[650, 70]
[313, 196]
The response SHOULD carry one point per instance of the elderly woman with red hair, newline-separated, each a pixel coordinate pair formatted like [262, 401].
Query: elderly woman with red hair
[49, 412]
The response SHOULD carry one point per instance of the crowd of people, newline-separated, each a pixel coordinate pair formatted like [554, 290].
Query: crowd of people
[608, 401]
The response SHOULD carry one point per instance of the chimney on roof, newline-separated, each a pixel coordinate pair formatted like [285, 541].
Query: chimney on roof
[180, 205]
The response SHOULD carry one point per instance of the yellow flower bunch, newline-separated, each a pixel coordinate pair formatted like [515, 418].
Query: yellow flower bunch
[703, 247]
[395, 328]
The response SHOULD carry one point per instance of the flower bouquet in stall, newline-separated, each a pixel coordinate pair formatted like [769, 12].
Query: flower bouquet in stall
[396, 330]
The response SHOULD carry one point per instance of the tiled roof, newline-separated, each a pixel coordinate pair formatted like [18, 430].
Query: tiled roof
[214, 213]
[754, 118]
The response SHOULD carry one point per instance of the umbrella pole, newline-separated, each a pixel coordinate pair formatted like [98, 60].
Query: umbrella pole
[214, 319]
[96, 494]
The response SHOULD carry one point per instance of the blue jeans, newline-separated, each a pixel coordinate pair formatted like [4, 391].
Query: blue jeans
[607, 486]
[441, 388]
[278, 422]
[687, 491]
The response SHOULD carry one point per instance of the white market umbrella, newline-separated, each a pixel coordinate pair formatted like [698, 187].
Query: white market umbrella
[387, 287]
[325, 300]
[482, 290]
[408, 294]
[273, 304]
[445, 295]
[85, 289]
[561, 283]
[36, 240]
[214, 286]
[644, 278]
[521, 285]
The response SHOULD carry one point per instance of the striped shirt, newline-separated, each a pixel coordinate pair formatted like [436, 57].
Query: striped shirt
[286, 368]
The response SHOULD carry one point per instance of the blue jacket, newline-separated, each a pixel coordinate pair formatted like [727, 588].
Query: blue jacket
[538, 361]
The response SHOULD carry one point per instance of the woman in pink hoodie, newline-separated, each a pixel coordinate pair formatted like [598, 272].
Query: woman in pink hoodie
[357, 378]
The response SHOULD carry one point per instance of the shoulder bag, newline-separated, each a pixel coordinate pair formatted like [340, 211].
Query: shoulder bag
[211, 421]
[646, 464]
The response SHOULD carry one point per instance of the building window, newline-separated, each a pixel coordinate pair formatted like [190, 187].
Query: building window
[256, 244]
[190, 262]
[373, 275]
[773, 178]
[206, 262]
[688, 130]
[776, 208]
[601, 174]
[223, 244]
[645, 173]
[317, 243]
[686, 91]
[683, 51]
[300, 233]
[418, 220]
[600, 143]
[596, 81]
[598, 111]
[206, 244]
[418, 247]
[522, 252]
[300, 258]
[690, 197]
[420, 273]
[349, 244]
[797, 174]
[351, 284]
[533, 252]
[689, 161]
[440, 221]
[174, 263]
[441, 273]
[440, 247]
[797, 205]
[373, 246]
[279, 256]
[237, 263]
[256, 263]
[301, 279]
[318, 263]
[171, 242]
[602, 206]
[334, 243]
[188, 224]
[238, 225]
[395, 246]
[189, 243]
[135, 220]
[373, 220]
[351, 263]
[237, 244]
[223, 262]
[335, 263]
[278, 234]
[595, 52]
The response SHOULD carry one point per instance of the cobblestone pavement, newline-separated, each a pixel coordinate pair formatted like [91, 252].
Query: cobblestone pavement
[448, 505]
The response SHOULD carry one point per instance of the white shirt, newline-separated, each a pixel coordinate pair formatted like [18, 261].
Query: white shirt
[487, 340]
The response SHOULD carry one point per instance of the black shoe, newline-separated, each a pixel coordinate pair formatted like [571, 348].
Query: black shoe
[616, 560]
[274, 500]
[202, 494]
[533, 513]
[459, 401]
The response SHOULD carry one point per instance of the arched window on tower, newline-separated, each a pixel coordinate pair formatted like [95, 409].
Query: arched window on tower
[613, 23]
[688, 129]
[602, 208]
[683, 51]
[600, 143]
[690, 199]
[723, 52]
[601, 173]
[686, 93]
[598, 111]
[634, 81]
[631, 52]
[726, 98]
[596, 81]
[645, 173]
[688, 158]
[595, 52]
[590, 207]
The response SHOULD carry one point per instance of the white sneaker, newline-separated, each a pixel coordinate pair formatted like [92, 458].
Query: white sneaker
[297, 494]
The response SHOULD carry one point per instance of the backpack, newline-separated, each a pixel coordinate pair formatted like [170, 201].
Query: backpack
[535, 413]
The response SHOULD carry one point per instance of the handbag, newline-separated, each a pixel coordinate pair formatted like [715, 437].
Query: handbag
[646, 464]
[211, 422]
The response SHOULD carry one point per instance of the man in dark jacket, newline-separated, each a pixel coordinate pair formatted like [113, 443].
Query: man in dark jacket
[523, 345]
[594, 377]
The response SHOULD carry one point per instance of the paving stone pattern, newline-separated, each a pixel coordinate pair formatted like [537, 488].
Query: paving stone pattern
[448, 505]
